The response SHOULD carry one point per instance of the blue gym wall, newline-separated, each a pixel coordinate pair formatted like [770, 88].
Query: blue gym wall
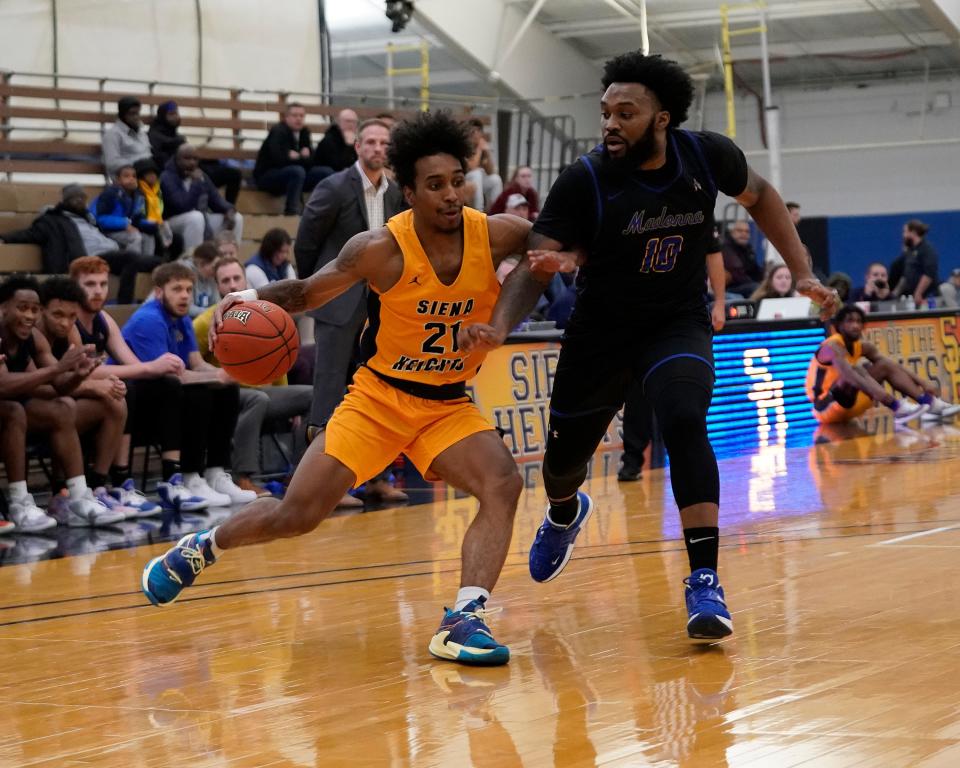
[855, 241]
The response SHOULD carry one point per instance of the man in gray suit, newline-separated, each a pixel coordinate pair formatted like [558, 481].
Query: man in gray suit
[354, 200]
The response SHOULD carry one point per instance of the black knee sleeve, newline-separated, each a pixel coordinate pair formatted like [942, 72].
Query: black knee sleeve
[570, 445]
[680, 391]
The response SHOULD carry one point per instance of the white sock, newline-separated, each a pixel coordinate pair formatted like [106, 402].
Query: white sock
[212, 472]
[467, 594]
[17, 490]
[211, 536]
[77, 487]
[189, 476]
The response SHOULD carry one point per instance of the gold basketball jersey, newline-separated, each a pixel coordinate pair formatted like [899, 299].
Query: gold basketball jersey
[416, 339]
[821, 377]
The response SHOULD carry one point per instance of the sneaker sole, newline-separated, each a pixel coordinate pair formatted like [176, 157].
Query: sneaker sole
[570, 546]
[709, 629]
[145, 587]
[46, 526]
[460, 654]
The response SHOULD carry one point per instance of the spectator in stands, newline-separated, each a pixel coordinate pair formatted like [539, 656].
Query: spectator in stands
[352, 201]
[44, 394]
[518, 205]
[336, 150]
[921, 264]
[778, 283]
[192, 206]
[200, 262]
[272, 262]
[121, 214]
[227, 245]
[483, 182]
[148, 182]
[208, 402]
[740, 261]
[125, 141]
[520, 184]
[100, 401]
[69, 231]
[950, 290]
[794, 210]
[154, 384]
[278, 402]
[842, 283]
[58, 232]
[876, 285]
[165, 139]
[163, 135]
[285, 161]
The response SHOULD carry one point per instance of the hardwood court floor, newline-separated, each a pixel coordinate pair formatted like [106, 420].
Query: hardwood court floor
[838, 560]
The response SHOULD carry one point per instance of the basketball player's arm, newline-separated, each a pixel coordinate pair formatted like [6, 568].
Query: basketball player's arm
[718, 284]
[765, 205]
[69, 377]
[833, 354]
[518, 295]
[363, 257]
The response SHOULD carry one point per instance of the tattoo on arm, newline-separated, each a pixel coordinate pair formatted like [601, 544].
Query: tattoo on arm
[291, 295]
[518, 297]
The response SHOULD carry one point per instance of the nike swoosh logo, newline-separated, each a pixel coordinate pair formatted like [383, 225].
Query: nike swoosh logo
[556, 560]
[697, 541]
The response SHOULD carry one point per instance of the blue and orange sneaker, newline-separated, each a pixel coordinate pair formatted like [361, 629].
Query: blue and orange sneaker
[709, 620]
[463, 637]
[553, 545]
[165, 577]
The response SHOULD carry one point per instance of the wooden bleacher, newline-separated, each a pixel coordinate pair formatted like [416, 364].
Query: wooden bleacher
[236, 136]
[240, 134]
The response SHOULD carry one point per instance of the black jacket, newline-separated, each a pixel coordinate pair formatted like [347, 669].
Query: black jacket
[333, 151]
[274, 152]
[57, 236]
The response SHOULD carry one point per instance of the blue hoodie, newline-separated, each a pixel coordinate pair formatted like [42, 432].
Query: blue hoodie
[115, 208]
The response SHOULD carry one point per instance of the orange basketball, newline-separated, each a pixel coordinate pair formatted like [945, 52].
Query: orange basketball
[258, 342]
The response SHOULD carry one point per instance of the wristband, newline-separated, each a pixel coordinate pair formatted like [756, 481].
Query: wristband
[250, 294]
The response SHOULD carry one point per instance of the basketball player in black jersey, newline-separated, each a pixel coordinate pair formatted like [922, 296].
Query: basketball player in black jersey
[637, 215]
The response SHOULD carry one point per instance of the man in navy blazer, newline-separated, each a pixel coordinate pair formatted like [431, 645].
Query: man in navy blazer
[357, 199]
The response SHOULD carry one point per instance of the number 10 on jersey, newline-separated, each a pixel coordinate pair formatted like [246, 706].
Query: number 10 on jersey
[661, 254]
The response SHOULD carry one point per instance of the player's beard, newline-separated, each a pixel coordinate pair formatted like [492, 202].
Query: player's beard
[637, 153]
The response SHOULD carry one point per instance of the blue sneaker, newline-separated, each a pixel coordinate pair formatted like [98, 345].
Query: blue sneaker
[709, 618]
[128, 495]
[165, 577]
[553, 546]
[175, 497]
[464, 638]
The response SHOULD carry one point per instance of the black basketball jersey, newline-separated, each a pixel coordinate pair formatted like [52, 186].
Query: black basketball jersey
[26, 351]
[99, 336]
[646, 233]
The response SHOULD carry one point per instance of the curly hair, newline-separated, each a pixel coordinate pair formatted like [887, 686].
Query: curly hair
[63, 288]
[845, 311]
[430, 133]
[667, 79]
[14, 283]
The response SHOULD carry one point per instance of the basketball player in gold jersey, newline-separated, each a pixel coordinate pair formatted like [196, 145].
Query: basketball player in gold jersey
[433, 267]
[846, 375]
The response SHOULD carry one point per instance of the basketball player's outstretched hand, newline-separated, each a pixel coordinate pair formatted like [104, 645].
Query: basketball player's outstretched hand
[225, 303]
[553, 261]
[478, 336]
[827, 298]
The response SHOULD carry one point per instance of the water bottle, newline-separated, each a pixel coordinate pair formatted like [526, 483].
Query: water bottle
[911, 305]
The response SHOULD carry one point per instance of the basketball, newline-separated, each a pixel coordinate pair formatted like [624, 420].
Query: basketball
[258, 342]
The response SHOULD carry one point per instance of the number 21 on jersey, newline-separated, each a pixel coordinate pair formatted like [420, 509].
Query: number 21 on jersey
[661, 254]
